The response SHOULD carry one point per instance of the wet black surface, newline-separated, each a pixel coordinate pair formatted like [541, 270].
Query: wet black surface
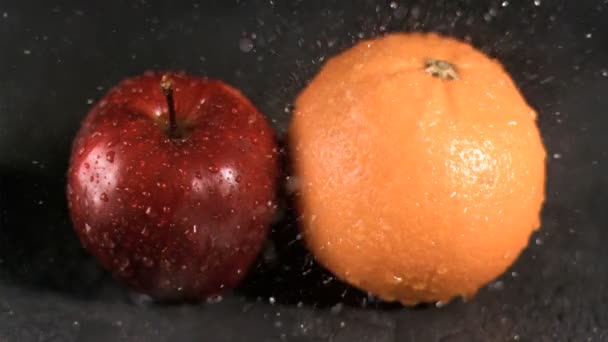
[57, 57]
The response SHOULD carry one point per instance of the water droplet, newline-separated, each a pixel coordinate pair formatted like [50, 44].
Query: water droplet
[194, 229]
[214, 299]
[110, 156]
[106, 241]
[89, 101]
[87, 228]
[588, 35]
[397, 279]
[419, 286]
[214, 169]
[557, 155]
[245, 44]
[504, 4]
[104, 197]
[440, 304]
[147, 262]
[123, 265]
[198, 175]
[148, 210]
[497, 285]
[166, 210]
[538, 241]
[271, 300]
[27, 52]
[537, 2]
[394, 5]
[336, 309]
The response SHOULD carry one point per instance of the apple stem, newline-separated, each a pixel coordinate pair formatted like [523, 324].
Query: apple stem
[166, 85]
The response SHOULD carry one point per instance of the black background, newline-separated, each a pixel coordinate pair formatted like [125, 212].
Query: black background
[57, 57]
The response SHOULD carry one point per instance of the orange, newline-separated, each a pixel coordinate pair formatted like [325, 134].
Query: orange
[421, 167]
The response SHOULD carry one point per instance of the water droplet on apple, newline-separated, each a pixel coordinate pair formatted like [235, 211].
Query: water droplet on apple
[147, 262]
[214, 169]
[110, 156]
[80, 151]
[104, 197]
[198, 175]
[123, 264]
[106, 241]
[148, 210]
[87, 228]
[166, 210]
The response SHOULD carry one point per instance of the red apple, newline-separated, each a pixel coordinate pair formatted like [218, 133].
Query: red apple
[172, 189]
